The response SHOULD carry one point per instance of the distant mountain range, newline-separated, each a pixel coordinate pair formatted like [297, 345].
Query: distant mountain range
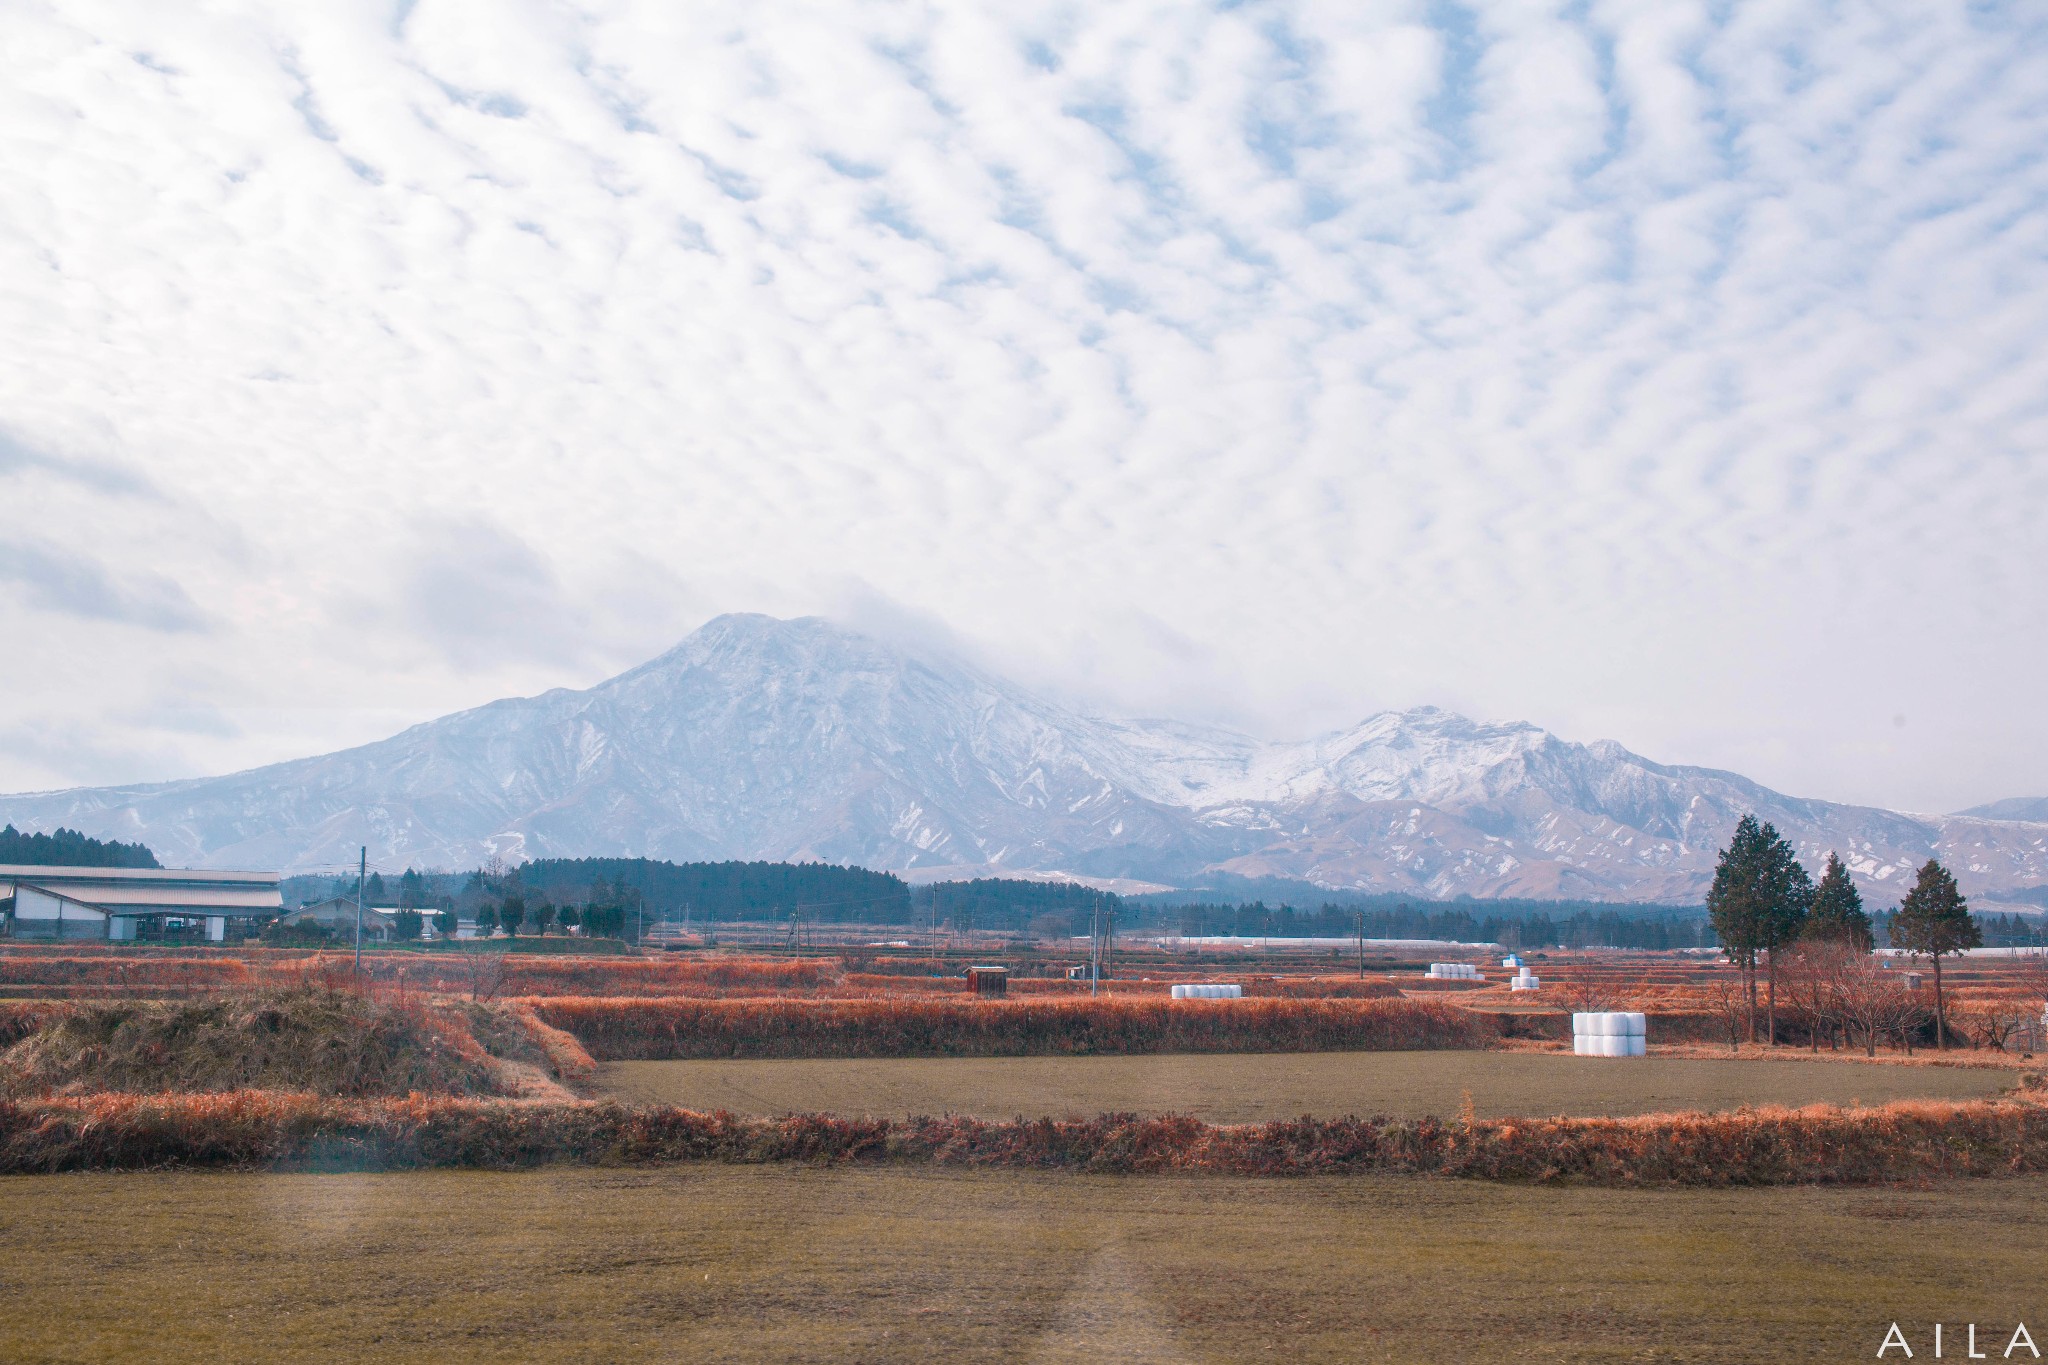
[793, 740]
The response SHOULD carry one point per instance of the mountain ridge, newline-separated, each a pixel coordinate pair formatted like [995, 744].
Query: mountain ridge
[762, 738]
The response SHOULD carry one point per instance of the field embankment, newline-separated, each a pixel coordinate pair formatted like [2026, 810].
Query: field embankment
[329, 1042]
[615, 1029]
[1907, 1141]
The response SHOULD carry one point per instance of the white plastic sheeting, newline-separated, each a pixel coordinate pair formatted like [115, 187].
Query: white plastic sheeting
[1206, 991]
[1610, 1033]
[1454, 971]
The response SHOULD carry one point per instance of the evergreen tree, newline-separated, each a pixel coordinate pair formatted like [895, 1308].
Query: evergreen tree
[487, 921]
[406, 925]
[1758, 904]
[1935, 919]
[1837, 914]
[512, 914]
[445, 920]
[69, 848]
[543, 918]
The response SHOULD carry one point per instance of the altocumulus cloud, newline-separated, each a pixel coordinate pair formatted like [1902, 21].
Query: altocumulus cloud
[1662, 370]
[70, 584]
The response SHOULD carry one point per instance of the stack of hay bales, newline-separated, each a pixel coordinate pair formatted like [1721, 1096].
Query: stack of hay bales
[1511, 961]
[1206, 991]
[1524, 980]
[1610, 1033]
[1454, 971]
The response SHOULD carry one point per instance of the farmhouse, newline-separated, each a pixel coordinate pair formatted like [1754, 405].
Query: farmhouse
[120, 902]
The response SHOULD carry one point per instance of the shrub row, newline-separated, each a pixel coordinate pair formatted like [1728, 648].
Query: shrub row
[443, 971]
[1908, 1141]
[649, 1029]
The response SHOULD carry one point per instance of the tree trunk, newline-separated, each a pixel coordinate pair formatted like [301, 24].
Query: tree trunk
[1940, 1019]
[1771, 994]
[1749, 984]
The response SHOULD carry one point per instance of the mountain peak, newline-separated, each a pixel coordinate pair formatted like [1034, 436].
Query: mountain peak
[759, 737]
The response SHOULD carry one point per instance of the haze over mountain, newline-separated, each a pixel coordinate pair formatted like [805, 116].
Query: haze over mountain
[762, 738]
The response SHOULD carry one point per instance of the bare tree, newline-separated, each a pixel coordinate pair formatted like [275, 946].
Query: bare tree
[1731, 1002]
[1585, 987]
[483, 973]
[1877, 1002]
[1996, 1020]
[1814, 970]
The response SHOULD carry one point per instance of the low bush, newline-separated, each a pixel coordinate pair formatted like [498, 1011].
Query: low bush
[650, 1029]
[1899, 1142]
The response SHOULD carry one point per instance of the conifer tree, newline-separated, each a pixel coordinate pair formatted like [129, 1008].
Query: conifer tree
[1837, 914]
[1758, 904]
[1935, 919]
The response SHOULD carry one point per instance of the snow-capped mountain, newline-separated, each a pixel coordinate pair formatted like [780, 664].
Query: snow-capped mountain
[759, 738]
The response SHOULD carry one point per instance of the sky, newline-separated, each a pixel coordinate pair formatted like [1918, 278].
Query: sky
[1664, 372]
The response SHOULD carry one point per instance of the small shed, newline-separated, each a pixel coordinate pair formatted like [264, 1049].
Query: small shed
[988, 981]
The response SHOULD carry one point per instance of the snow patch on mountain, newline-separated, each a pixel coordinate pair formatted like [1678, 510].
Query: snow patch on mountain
[760, 738]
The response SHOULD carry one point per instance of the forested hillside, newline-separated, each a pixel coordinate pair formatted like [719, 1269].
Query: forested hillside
[69, 848]
[726, 891]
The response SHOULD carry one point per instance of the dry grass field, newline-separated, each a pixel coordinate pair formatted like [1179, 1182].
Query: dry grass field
[1261, 1088]
[791, 1263]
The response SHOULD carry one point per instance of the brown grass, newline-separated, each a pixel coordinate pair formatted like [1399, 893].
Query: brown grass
[1259, 1088]
[792, 1263]
[330, 1041]
[1820, 1145]
[621, 1029]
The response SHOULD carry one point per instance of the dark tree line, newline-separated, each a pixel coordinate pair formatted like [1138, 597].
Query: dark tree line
[1520, 928]
[69, 848]
[726, 891]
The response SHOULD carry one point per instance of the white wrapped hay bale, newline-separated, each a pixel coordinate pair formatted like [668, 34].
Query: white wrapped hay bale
[1524, 980]
[1610, 1033]
[1207, 990]
[1453, 971]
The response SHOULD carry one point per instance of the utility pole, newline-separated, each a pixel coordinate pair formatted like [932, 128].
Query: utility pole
[362, 870]
[1361, 945]
[1095, 946]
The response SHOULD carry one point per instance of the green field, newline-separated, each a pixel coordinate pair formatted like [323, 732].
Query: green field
[720, 1263]
[1248, 1089]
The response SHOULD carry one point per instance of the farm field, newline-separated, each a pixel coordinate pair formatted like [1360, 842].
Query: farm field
[792, 1263]
[1237, 1088]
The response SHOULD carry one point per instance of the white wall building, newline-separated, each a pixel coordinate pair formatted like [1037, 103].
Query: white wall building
[114, 902]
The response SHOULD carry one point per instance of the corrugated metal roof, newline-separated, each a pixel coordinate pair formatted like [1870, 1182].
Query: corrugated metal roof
[31, 872]
[43, 876]
[151, 888]
[250, 898]
[173, 897]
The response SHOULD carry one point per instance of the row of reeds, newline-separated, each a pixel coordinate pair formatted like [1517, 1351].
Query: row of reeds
[271, 1129]
[442, 971]
[616, 1029]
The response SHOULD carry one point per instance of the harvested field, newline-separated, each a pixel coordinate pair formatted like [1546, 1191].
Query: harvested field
[629, 1029]
[1263, 1088]
[782, 1263]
